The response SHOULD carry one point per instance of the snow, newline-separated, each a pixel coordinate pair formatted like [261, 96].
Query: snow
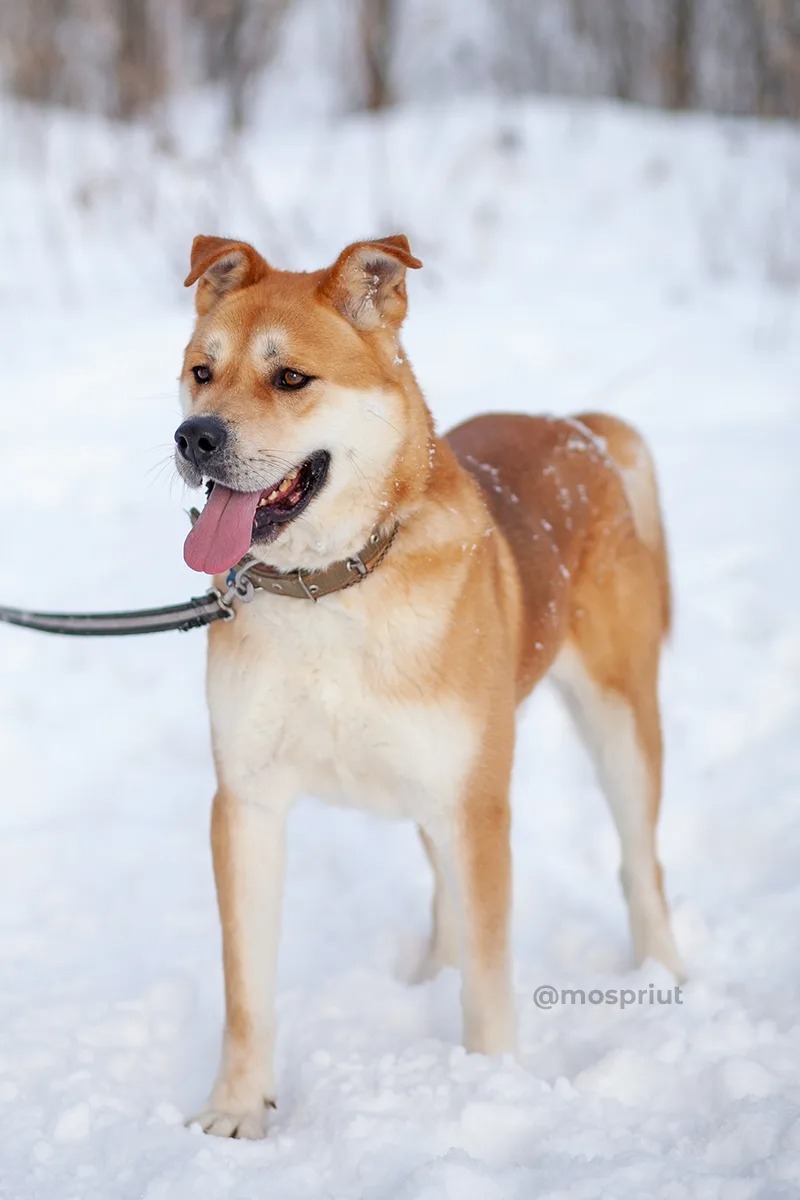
[597, 258]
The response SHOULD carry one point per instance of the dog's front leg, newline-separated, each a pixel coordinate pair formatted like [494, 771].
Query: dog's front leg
[249, 847]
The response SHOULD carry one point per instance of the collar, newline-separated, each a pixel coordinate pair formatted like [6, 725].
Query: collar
[313, 585]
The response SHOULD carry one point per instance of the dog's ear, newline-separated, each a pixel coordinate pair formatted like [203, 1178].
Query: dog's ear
[222, 266]
[367, 283]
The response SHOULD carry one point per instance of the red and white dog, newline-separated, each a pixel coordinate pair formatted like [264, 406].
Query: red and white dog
[449, 575]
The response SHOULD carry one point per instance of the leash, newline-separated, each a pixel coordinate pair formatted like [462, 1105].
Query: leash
[242, 583]
[194, 614]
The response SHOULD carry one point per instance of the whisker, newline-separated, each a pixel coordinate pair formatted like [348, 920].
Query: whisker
[374, 413]
[351, 454]
[166, 461]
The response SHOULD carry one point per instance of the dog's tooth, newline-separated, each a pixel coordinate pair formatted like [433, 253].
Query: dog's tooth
[272, 496]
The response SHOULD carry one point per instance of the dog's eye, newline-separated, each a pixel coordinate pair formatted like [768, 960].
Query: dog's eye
[291, 381]
[202, 374]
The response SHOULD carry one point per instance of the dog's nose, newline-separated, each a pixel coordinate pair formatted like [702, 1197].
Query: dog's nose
[200, 439]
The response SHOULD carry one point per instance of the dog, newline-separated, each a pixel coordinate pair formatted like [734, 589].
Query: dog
[414, 589]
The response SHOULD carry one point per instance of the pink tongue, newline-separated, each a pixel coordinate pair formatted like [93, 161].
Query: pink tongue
[223, 532]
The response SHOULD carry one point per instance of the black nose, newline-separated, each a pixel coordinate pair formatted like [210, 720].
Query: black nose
[200, 439]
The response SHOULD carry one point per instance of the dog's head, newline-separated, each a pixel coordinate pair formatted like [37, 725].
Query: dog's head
[302, 416]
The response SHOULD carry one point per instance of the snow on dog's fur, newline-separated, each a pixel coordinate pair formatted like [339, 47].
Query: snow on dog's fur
[523, 544]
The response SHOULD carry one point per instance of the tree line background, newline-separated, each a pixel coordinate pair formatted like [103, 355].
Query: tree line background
[127, 59]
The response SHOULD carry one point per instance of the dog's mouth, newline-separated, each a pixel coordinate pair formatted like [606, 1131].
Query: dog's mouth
[232, 521]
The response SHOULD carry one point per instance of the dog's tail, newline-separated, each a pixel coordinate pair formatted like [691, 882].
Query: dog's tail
[629, 451]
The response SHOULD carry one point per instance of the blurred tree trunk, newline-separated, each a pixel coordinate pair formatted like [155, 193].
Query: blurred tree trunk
[237, 63]
[622, 50]
[140, 73]
[678, 64]
[780, 57]
[377, 35]
[756, 38]
[32, 34]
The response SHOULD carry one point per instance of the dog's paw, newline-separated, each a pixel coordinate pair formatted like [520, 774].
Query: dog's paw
[250, 1124]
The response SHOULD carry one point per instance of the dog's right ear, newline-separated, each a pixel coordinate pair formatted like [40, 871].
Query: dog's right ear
[222, 266]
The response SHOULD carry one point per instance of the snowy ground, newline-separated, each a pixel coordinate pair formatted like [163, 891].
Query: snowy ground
[575, 259]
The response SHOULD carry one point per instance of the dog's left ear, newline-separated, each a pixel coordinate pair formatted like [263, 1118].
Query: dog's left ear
[367, 283]
[222, 266]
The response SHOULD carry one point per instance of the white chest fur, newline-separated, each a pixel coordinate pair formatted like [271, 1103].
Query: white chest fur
[318, 699]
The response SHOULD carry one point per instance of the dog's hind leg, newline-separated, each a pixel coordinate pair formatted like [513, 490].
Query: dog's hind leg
[615, 705]
[443, 948]
[608, 671]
